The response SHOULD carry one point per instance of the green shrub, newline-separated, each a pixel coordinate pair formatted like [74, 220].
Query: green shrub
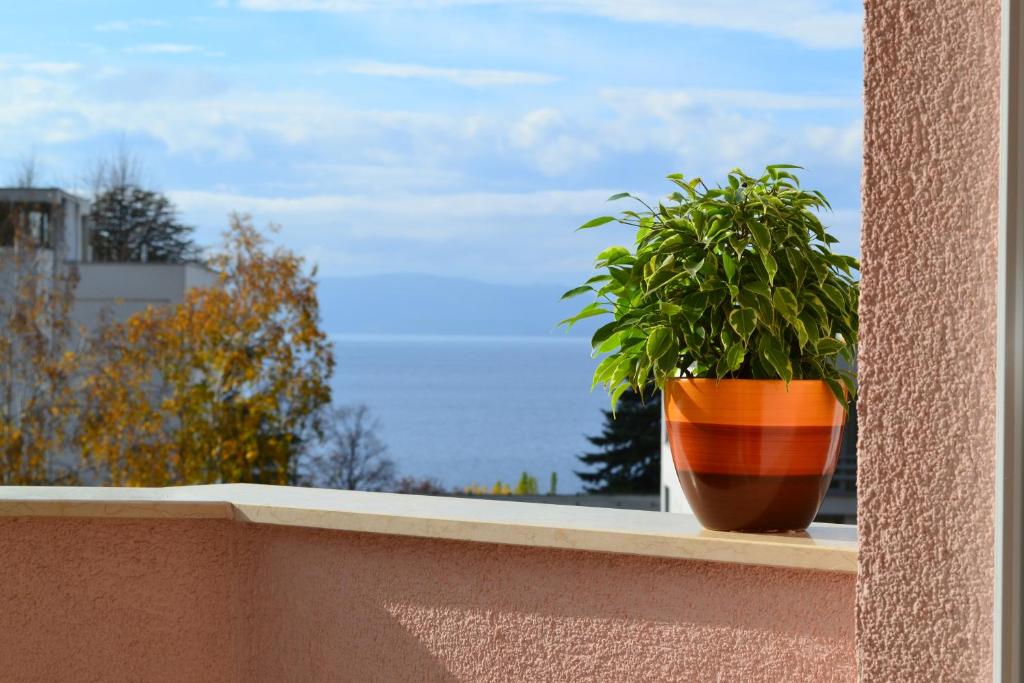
[737, 281]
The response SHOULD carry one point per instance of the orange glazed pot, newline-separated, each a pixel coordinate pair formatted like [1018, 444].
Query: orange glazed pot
[753, 455]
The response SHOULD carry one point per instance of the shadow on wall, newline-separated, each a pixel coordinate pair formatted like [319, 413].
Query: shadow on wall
[370, 606]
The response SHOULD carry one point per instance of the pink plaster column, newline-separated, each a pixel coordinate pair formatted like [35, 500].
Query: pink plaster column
[927, 363]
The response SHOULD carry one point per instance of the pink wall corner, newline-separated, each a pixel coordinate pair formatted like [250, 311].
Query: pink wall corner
[338, 605]
[927, 359]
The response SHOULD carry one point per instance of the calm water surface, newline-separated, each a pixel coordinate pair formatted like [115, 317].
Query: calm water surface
[475, 409]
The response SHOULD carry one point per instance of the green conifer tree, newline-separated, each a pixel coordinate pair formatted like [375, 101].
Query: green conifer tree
[629, 459]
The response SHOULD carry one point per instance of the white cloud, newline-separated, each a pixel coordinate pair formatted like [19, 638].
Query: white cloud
[470, 77]
[229, 122]
[427, 217]
[812, 23]
[126, 25]
[844, 142]
[488, 235]
[555, 145]
[669, 100]
[386, 181]
[716, 128]
[164, 49]
[404, 174]
[51, 68]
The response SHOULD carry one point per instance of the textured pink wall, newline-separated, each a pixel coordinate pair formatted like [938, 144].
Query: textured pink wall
[927, 361]
[107, 600]
[371, 607]
[212, 600]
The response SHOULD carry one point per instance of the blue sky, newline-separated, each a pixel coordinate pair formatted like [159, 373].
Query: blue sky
[450, 137]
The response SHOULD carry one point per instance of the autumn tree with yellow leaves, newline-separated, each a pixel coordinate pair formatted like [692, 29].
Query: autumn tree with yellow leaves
[224, 387]
[37, 361]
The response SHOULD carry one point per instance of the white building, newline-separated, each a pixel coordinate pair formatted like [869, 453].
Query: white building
[59, 224]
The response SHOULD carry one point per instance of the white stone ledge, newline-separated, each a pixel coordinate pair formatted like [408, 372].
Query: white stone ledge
[825, 547]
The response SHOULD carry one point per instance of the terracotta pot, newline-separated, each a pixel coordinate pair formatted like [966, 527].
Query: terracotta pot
[753, 455]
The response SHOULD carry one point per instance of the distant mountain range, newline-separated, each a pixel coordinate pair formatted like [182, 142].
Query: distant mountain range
[432, 305]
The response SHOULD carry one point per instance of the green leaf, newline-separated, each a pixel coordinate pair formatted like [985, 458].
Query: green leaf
[604, 332]
[785, 303]
[596, 222]
[616, 394]
[826, 346]
[833, 295]
[758, 288]
[743, 320]
[693, 267]
[612, 253]
[668, 360]
[810, 327]
[770, 265]
[694, 306]
[762, 238]
[813, 303]
[620, 195]
[610, 344]
[849, 382]
[798, 265]
[669, 308]
[604, 368]
[576, 291]
[801, 332]
[777, 357]
[589, 312]
[728, 265]
[659, 342]
[734, 357]
[837, 390]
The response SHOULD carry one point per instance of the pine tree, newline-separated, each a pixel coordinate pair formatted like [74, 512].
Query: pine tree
[630, 457]
[130, 223]
[133, 224]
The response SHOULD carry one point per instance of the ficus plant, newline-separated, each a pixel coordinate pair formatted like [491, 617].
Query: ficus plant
[736, 281]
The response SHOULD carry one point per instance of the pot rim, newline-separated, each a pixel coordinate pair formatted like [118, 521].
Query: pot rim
[736, 380]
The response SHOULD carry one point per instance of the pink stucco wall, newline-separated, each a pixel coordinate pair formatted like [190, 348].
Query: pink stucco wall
[104, 600]
[927, 360]
[214, 600]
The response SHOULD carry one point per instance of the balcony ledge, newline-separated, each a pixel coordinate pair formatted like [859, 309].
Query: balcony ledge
[824, 547]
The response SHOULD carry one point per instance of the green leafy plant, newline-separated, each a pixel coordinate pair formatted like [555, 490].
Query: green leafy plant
[736, 281]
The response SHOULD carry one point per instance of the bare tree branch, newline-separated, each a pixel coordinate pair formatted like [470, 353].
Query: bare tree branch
[352, 456]
[26, 173]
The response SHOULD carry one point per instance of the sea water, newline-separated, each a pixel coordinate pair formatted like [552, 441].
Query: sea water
[470, 410]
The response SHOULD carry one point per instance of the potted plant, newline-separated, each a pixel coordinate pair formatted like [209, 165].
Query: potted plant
[731, 301]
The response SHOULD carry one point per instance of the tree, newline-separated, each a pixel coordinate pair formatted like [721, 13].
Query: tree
[37, 364]
[131, 223]
[225, 387]
[427, 486]
[26, 173]
[353, 457]
[527, 485]
[629, 459]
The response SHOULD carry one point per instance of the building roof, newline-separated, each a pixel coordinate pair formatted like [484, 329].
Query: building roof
[50, 195]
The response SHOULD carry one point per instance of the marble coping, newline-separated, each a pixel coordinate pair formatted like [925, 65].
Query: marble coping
[823, 547]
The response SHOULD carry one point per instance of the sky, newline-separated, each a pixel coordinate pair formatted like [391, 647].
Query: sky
[464, 138]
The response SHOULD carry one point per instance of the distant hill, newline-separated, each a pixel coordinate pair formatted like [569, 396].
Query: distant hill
[427, 304]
